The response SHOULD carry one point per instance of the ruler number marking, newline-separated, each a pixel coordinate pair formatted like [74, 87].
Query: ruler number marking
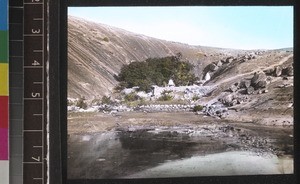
[36, 31]
[36, 95]
[35, 63]
[38, 159]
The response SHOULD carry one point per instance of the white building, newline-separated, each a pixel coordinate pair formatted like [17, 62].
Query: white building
[171, 83]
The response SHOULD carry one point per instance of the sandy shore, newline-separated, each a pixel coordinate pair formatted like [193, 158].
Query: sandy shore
[83, 122]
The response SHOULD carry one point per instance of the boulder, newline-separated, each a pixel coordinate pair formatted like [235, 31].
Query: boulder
[242, 60]
[265, 91]
[258, 78]
[217, 110]
[213, 67]
[277, 71]
[219, 63]
[207, 76]
[247, 57]
[229, 60]
[250, 90]
[269, 71]
[227, 100]
[285, 78]
[233, 88]
[289, 71]
[261, 84]
[245, 84]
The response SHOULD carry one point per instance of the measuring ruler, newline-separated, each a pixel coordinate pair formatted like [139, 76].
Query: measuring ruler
[30, 48]
[34, 127]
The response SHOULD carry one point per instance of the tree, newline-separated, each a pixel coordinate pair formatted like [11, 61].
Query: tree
[156, 71]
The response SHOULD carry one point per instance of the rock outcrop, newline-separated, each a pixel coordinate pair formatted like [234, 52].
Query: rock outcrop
[259, 80]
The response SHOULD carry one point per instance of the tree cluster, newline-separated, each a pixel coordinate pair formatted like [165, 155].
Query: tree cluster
[156, 71]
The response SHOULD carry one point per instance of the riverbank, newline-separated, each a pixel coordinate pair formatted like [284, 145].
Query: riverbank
[82, 122]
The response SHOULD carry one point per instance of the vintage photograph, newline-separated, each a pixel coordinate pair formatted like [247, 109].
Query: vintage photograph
[166, 92]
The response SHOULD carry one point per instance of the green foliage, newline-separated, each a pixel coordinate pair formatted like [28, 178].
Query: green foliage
[70, 103]
[81, 103]
[195, 98]
[165, 96]
[155, 71]
[131, 97]
[96, 101]
[197, 108]
[105, 39]
[106, 100]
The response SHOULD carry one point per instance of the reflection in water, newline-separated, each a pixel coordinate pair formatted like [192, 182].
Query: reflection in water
[141, 153]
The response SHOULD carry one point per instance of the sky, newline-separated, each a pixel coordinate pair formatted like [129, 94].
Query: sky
[243, 27]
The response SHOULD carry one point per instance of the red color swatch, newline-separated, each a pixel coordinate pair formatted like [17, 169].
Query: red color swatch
[3, 111]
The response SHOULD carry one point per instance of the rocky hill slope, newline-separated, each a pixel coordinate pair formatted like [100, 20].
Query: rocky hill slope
[259, 81]
[96, 52]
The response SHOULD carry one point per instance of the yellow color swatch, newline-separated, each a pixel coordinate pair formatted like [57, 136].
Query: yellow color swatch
[3, 79]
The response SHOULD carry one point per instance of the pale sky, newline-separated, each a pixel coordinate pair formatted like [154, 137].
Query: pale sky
[243, 27]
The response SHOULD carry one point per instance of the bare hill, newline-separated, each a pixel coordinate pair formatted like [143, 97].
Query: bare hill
[96, 52]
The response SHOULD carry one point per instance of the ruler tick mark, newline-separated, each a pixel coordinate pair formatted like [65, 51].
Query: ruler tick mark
[17, 7]
[32, 162]
[33, 130]
[33, 98]
[37, 50]
[34, 3]
[33, 35]
[37, 114]
[33, 66]
[37, 146]
[38, 82]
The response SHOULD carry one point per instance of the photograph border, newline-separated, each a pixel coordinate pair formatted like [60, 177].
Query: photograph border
[58, 92]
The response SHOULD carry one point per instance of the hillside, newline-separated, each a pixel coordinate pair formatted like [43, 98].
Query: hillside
[257, 81]
[96, 52]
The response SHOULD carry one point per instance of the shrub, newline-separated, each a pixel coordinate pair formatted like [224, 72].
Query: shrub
[142, 101]
[70, 102]
[165, 97]
[195, 98]
[106, 100]
[105, 39]
[81, 103]
[96, 101]
[198, 108]
[166, 92]
[156, 71]
[131, 97]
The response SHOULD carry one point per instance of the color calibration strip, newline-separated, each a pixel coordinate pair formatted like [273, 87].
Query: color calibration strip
[4, 152]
